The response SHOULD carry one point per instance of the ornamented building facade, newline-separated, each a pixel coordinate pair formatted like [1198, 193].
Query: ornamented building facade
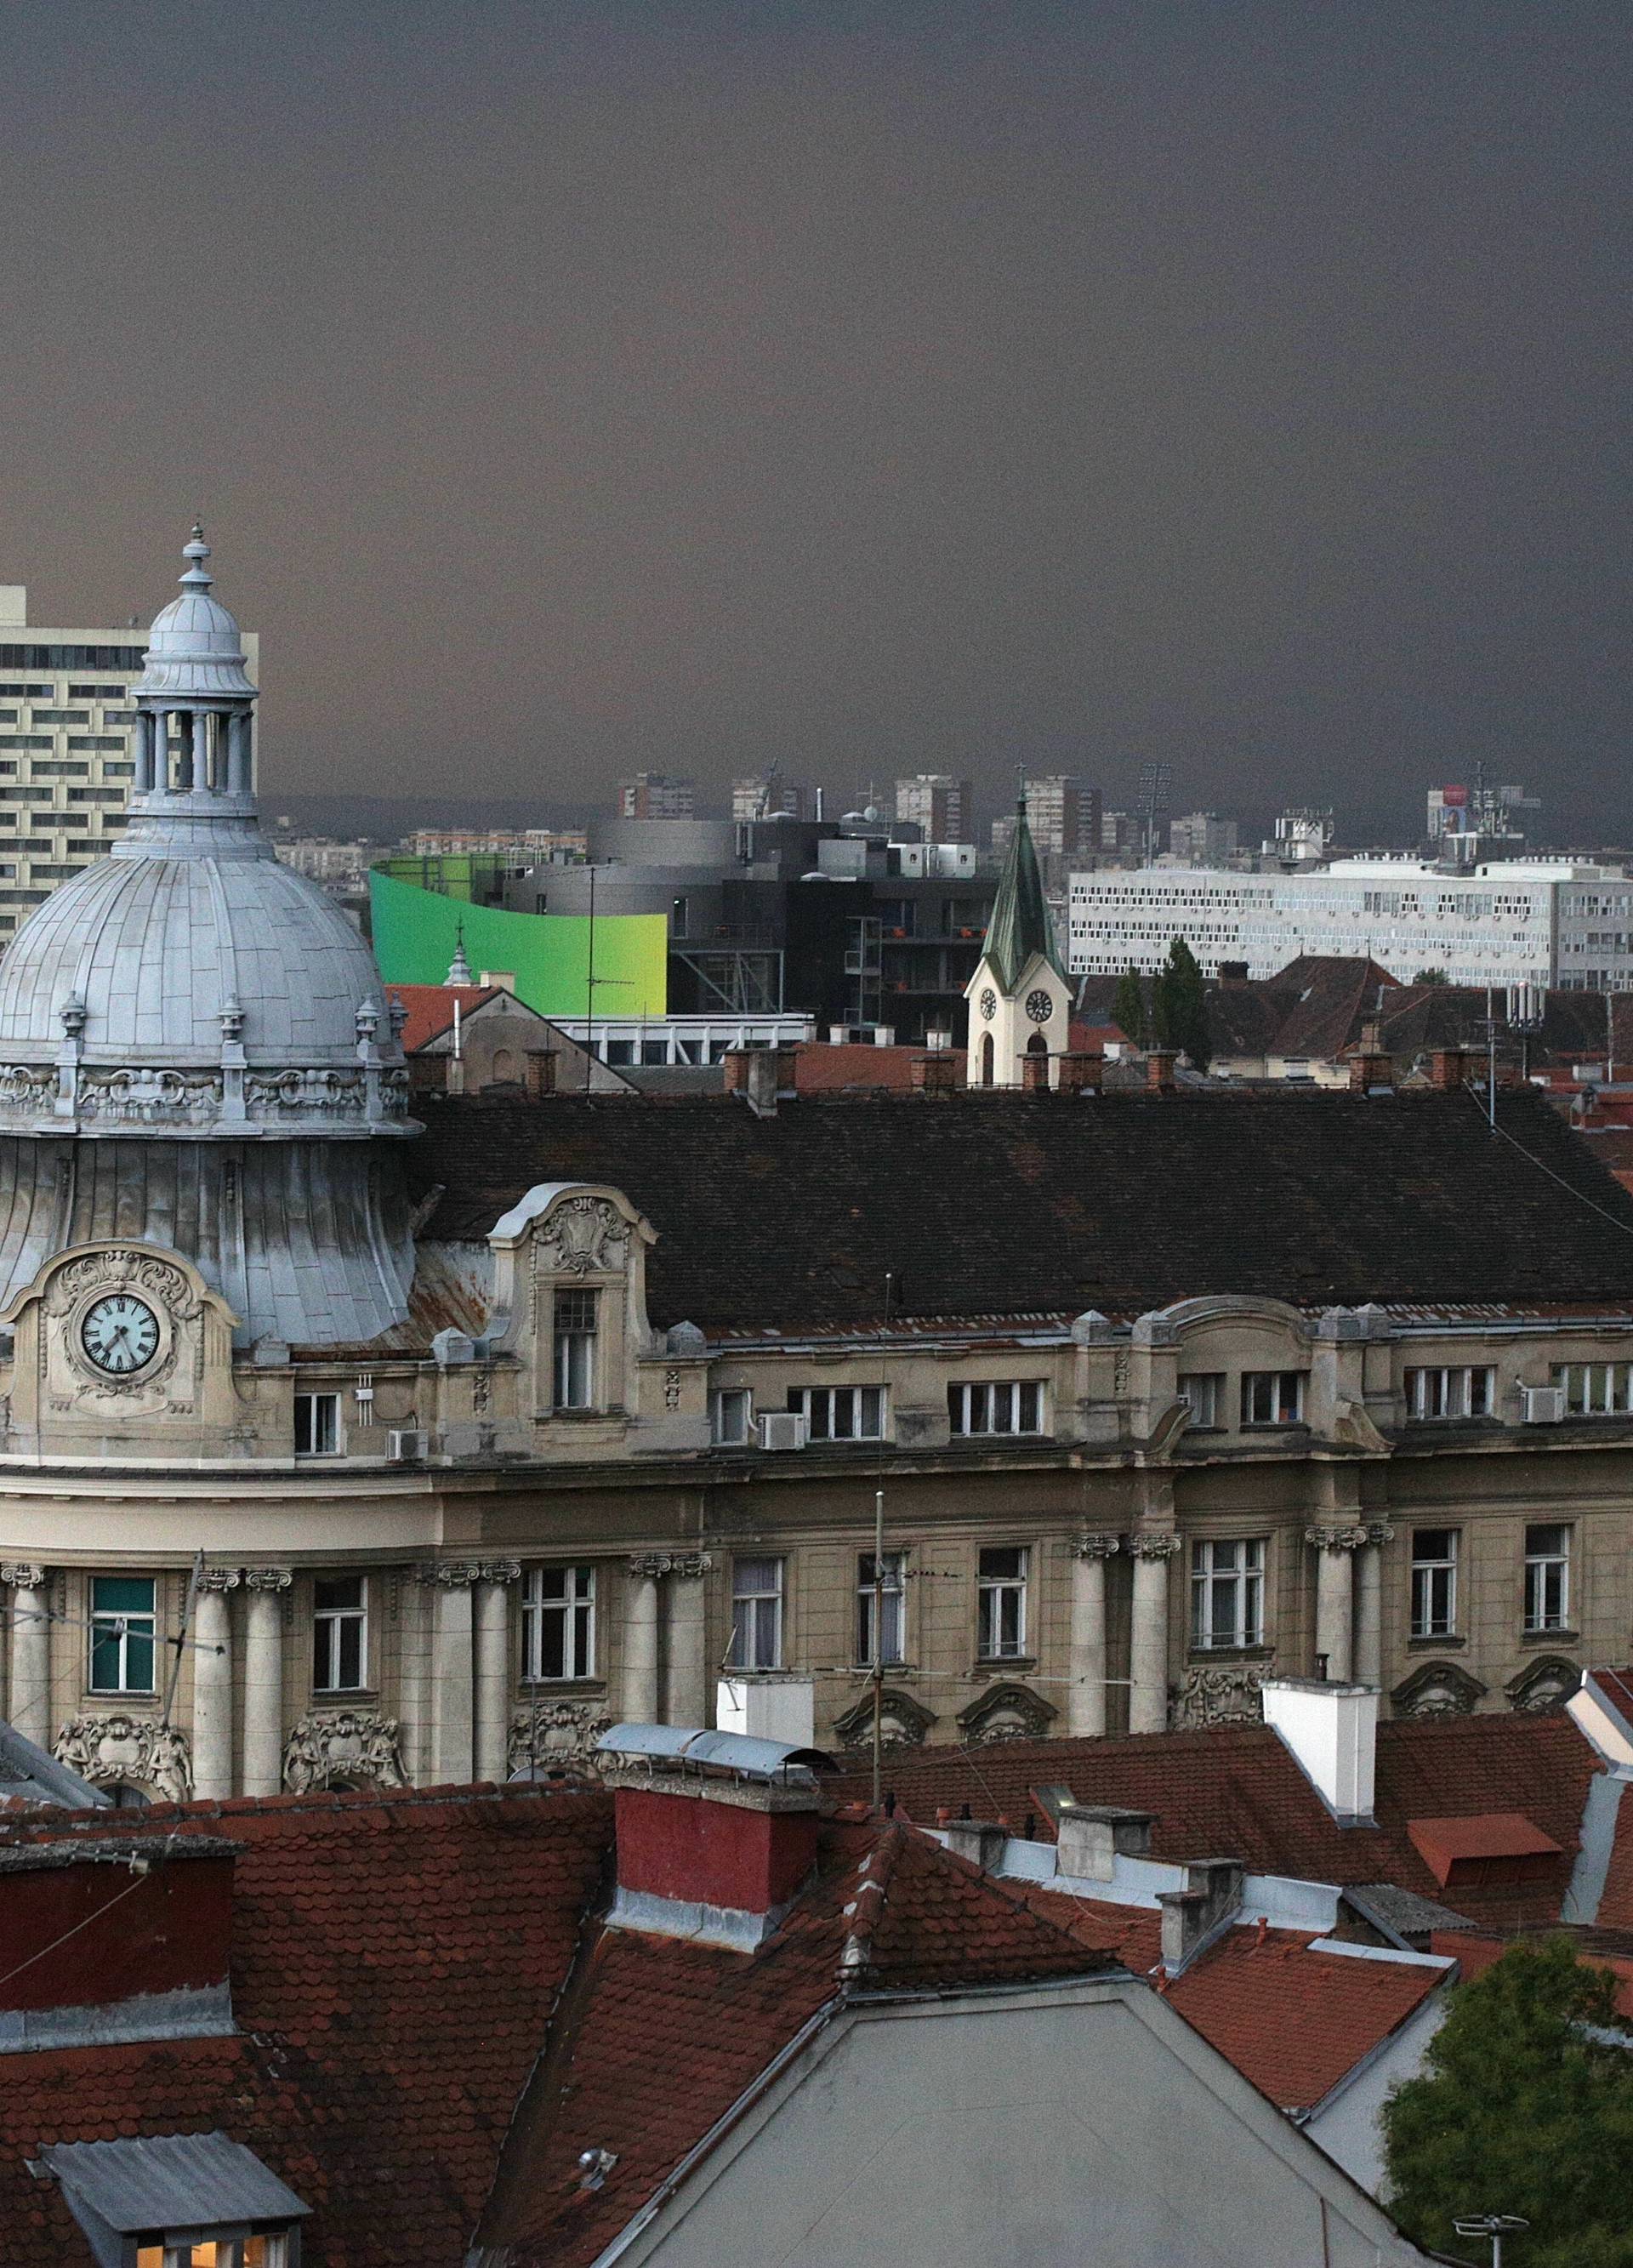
[341, 1447]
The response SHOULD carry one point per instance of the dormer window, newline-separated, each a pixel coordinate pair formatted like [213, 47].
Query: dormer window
[221, 2207]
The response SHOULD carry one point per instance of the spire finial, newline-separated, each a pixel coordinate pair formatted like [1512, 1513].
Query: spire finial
[198, 576]
[458, 968]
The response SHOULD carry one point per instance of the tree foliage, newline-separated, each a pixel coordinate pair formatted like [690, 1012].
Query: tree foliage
[1128, 1011]
[1431, 976]
[1180, 1005]
[1524, 2106]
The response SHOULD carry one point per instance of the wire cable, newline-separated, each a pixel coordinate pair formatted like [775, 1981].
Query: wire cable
[1581, 1196]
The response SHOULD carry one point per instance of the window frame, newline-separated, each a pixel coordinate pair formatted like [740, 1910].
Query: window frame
[574, 1347]
[1539, 1565]
[115, 1625]
[1003, 1597]
[802, 1400]
[718, 1398]
[1277, 1383]
[1578, 1380]
[973, 1398]
[577, 1613]
[313, 1399]
[1430, 1575]
[893, 1650]
[1243, 1582]
[1441, 1394]
[754, 1608]
[1203, 1393]
[328, 1626]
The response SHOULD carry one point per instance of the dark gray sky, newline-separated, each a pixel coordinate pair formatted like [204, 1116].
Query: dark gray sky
[571, 387]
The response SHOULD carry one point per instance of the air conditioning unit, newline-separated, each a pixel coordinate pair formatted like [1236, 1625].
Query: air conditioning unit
[782, 1429]
[1542, 1405]
[405, 1448]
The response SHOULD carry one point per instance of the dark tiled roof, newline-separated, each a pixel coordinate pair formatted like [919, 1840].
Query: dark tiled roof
[1053, 1203]
[1235, 1792]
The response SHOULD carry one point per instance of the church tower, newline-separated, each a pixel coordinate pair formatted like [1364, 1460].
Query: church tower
[1019, 998]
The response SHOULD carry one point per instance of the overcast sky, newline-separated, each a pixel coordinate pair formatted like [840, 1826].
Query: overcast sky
[567, 388]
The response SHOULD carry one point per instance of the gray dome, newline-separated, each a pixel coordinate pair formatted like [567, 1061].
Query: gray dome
[194, 646]
[158, 947]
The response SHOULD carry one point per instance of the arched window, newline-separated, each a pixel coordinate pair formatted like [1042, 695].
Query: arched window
[504, 1067]
[986, 1059]
[1037, 1045]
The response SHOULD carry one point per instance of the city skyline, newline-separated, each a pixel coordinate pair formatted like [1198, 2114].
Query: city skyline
[567, 399]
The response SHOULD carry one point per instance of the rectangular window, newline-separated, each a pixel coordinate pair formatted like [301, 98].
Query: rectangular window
[317, 1425]
[1227, 1594]
[1203, 1391]
[1272, 1397]
[1596, 1389]
[1001, 1603]
[1548, 1578]
[889, 1599]
[1434, 1582]
[757, 1614]
[558, 1622]
[840, 1413]
[731, 1415]
[340, 1630]
[1455, 1393]
[123, 1632]
[1009, 1407]
[575, 1350]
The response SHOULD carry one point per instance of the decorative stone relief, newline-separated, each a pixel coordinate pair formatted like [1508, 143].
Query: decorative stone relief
[120, 1749]
[1346, 1536]
[22, 1574]
[1439, 1688]
[331, 1746]
[1546, 1683]
[556, 1736]
[904, 1723]
[583, 1236]
[654, 1566]
[1153, 1547]
[1006, 1712]
[1087, 1545]
[1221, 1693]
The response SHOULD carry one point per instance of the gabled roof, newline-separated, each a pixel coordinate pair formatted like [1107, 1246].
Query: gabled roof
[430, 1009]
[1021, 928]
[1236, 1792]
[1120, 1202]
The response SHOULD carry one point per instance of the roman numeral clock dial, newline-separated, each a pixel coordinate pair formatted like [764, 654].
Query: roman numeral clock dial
[119, 1335]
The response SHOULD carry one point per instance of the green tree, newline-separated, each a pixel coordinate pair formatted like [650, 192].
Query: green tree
[1180, 1009]
[1128, 1008]
[1525, 2106]
[1431, 976]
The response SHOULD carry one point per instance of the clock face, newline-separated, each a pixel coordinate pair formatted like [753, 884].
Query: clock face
[119, 1334]
[1039, 1007]
[989, 1005]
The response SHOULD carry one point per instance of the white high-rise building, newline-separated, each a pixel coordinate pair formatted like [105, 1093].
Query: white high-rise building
[1540, 921]
[66, 756]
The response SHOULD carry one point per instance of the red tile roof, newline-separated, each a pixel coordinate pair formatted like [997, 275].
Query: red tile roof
[430, 1008]
[1446, 1843]
[1236, 1792]
[1294, 2021]
[821, 1069]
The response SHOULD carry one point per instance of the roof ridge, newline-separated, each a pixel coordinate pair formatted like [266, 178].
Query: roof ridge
[864, 1909]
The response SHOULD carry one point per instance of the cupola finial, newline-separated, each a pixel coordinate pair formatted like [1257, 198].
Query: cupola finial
[198, 576]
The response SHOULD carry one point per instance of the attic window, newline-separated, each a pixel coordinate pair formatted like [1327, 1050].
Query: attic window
[178, 2201]
[1489, 1847]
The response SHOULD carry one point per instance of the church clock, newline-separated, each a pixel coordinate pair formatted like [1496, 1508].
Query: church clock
[119, 1335]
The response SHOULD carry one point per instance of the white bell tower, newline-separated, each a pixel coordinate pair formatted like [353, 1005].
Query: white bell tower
[1020, 997]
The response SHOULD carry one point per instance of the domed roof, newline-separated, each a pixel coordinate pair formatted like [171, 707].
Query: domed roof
[194, 646]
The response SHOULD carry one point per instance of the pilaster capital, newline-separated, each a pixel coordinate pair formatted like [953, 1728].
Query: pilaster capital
[648, 1566]
[448, 1574]
[269, 1578]
[1379, 1532]
[1153, 1547]
[690, 1566]
[1089, 1544]
[22, 1574]
[219, 1578]
[1346, 1538]
[501, 1570]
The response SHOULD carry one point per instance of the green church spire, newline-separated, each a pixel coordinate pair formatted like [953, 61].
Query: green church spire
[1022, 926]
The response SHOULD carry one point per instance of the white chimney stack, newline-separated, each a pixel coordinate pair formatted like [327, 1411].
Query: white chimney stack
[1332, 1730]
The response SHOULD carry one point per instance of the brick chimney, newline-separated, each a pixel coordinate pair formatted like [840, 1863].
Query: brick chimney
[1367, 1072]
[1091, 1838]
[539, 1072]
[715, 1852]
[981, 1841]
[1212, 1894]
[760, 1075]
[1081, 1074]
[429, 1075]
[125, 1939]
[1448, 1067]
[935, 1074]
[1232, 972]
[1035, 1074]
[1159, 1078]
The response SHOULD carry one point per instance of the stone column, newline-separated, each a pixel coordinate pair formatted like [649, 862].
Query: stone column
[1334, 1596]
[200, 722]
[639, 1702]
[1368, 1614]
[31, 1651]
[453, 1682]
[212, 1683]
[263, 1678]
[493, 1667]
[1085, 1710]
[688, 1662]
[238, 767]
[1148, 1658]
